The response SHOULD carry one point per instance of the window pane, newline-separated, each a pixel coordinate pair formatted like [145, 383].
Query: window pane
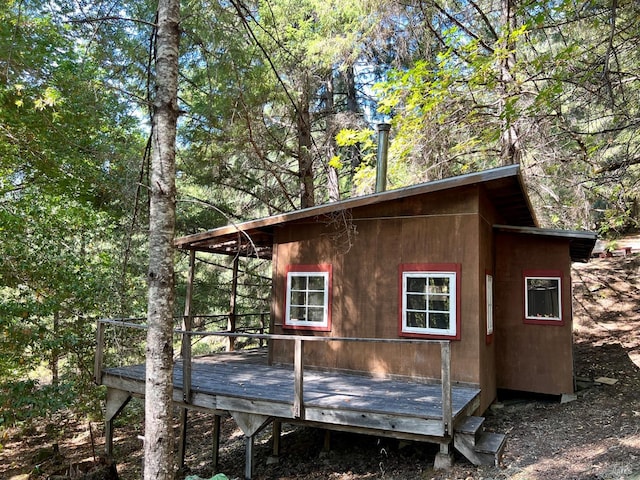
[298, 283]
[543, 297]
[316, 298]
[416, 284]
[298, 314]
[298, 298]
[416, 319]
[316, 314]
[439, 303]
[439, 321]
[316, 283]
[416, 302]
[438, 285]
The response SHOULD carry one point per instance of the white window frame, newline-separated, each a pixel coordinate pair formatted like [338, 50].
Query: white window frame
[308, 324]
[489, 300]
[558, 279]
[452, 312]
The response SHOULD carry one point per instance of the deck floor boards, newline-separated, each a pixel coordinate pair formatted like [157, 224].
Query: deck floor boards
[247, 376]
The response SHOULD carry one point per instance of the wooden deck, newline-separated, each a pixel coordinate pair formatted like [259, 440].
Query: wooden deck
[243, 382]
[255, 394]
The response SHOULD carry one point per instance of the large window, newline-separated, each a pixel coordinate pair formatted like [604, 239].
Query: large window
[308, 304]
[429, 303]
[543, 297]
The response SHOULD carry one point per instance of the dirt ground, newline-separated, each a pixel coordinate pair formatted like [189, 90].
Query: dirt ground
[596, 436]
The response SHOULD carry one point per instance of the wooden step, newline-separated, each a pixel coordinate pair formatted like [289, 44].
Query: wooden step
[478, 446]
[492, 444]
[470, 426]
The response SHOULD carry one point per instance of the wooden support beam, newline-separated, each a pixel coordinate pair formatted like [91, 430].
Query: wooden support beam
[99, 358]
[216, 442]
[276, 436]
[231, 323]
[298, 374]
[248, 452]
[182, 443]
[447, 414]
[116, 401]
[186, 327]
[250, 423]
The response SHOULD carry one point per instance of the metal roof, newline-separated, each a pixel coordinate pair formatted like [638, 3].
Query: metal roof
[581, 242]
[503, 185]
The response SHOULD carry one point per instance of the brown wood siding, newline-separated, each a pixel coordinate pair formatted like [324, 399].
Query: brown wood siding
[529, 357]
[365, 283]
[486, 346]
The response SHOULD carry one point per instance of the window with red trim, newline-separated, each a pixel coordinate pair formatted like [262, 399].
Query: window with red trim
[308, 297]
[429, 303]
[543, 296]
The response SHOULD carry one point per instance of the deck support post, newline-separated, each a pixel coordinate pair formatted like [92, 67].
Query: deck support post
[327, 441]
[250, 424]
[248, 453]
[444, 458]
[447, 414]
[116, 401]
[215, 460]
[276, 434]
[298, 375]
[182, 443]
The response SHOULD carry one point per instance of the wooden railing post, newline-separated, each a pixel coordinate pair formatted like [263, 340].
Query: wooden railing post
[298, 375]
[447, 415]
[97, 368]
[231, 324]
[261, 329]
[186, 328]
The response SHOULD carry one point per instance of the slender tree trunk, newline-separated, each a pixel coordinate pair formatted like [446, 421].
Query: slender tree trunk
[349, 77]
[159, 459]
[333, 183]
[510, 145]
[305, 158]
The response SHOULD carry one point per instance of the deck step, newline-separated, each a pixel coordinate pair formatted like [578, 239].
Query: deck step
[470, 426]
[478, 446]
[491, 443]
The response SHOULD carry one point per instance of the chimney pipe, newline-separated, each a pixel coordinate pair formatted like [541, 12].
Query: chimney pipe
[381, 164]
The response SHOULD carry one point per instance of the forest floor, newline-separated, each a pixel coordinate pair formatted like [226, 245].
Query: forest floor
[596, 436]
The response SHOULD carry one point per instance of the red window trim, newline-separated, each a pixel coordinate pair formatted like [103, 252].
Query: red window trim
[322, 267]
[543, 273]
[430, 267]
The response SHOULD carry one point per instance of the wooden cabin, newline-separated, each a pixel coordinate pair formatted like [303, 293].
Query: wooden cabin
[398, 313]
[460, 259]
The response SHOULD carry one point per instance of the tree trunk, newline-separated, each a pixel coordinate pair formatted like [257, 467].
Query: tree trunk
[159, 438]
[510, 145]
[305, 158]
[333, 182]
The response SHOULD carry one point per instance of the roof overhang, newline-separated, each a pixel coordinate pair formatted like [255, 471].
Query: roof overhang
[503, 185]
[581, 243]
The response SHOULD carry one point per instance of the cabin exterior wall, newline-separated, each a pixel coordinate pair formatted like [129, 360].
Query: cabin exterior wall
[486, 267]
[531, 355]
[438, 228]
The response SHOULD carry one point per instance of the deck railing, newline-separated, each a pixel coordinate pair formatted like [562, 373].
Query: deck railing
[298, 360]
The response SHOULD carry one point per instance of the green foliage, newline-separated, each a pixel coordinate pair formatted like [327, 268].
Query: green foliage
[23, 401]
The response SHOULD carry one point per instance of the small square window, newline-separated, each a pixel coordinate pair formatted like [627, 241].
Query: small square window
[308, 297]
[543, 298]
